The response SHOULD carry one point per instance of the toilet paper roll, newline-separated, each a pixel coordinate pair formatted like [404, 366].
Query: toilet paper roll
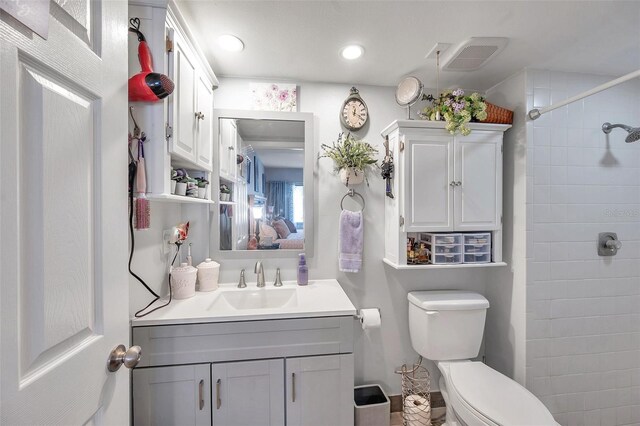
[370, 318]
[417, 411]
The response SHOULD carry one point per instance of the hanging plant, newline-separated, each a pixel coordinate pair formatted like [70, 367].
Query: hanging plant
[352, 158]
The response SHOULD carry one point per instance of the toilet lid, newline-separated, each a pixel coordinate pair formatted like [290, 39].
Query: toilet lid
[496, 396]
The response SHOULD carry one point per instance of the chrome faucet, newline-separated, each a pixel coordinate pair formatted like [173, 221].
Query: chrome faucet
[260, 271]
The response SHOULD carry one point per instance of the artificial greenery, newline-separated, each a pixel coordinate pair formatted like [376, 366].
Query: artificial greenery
[224, 189]
[456, 109]
[350, 152]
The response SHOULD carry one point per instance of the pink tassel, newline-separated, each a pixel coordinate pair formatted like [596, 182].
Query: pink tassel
[143, 213]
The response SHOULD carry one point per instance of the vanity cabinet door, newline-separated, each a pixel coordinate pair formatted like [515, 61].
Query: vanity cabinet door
[478, 176]
[320, 390]
[249, 393]
[203, 134]
[428, 177]
[178, 395]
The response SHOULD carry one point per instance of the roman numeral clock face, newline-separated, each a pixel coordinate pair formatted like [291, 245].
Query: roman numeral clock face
[354, 114]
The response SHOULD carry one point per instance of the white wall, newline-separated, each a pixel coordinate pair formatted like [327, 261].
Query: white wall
[583, 311]
[505, 339]
[282, 174]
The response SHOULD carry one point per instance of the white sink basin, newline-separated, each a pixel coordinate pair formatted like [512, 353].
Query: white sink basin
[264, 298]
[321, 298]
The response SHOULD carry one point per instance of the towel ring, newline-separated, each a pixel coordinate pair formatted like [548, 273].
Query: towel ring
[352, 193]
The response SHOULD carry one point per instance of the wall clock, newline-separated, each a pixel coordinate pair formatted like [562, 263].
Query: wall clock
[354, 113]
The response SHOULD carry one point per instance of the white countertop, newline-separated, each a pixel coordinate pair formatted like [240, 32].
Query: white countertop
[321, 298]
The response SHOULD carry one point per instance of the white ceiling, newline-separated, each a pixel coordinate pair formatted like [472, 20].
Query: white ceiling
[301, 40]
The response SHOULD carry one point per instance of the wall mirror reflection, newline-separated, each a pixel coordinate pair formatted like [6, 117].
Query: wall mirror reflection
[264, 204]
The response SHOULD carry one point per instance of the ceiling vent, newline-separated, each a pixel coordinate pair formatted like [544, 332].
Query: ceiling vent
[474, 53]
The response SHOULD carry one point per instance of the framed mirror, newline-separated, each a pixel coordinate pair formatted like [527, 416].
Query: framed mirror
[262, 184]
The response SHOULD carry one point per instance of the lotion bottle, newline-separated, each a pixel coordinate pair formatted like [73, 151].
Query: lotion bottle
[303, 270]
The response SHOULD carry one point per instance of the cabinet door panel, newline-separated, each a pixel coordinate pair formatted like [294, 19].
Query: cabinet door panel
[478, 169]
[172, 395]
[428, 173]
[205, 107]
[320, 390]
[248, 393]
[183, 140]
[228, 141]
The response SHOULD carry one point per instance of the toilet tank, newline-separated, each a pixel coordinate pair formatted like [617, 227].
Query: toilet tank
[447, 325]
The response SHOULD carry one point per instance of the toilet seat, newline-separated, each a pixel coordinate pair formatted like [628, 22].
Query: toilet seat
[491, 397]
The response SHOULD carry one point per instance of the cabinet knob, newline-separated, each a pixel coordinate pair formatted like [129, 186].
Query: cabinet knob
[199, 115]
[458, 183]
[452, 183]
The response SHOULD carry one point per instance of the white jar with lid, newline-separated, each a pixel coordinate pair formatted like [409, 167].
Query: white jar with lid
[208, 273]
[183, 281]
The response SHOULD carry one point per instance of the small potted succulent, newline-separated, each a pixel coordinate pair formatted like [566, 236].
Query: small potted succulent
[202, 187]
[352, 158]
[225, 192]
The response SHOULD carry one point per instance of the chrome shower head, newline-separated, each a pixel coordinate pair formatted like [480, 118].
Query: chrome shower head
[634, 132]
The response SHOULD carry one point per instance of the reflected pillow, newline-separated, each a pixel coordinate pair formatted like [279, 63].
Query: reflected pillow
[268, 231]
[290, 225]
[281, 228]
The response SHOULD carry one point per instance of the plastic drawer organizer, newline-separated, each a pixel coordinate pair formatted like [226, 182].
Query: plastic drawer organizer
[458, 248]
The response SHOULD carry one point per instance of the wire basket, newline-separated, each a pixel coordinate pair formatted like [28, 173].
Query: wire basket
[416, 395]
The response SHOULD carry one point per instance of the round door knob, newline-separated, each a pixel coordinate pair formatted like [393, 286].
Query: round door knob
[120, 355]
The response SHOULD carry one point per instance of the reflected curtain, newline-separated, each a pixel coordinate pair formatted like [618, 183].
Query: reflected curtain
[280, 196]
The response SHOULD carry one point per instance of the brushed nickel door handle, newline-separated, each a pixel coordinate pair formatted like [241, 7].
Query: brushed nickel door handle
[218, 399]
[201, 394]
[293, 387]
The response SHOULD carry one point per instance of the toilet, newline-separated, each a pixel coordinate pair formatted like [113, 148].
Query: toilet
[446, 327]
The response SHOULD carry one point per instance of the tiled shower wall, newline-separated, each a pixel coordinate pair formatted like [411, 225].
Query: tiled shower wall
[583, 311]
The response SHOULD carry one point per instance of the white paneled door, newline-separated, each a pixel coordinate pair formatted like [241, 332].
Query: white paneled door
[63, 209]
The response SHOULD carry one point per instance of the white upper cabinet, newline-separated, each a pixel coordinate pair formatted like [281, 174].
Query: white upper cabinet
[427, 195]
[204, 115]
[228, 146]
[190, 106]
[478, 182]
[443, 183]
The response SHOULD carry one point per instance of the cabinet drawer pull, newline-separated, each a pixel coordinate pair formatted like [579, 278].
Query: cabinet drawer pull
[218, 400]
[201, 394]
[293, 387]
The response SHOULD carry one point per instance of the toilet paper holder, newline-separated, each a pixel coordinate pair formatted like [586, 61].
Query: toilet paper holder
[359, 315]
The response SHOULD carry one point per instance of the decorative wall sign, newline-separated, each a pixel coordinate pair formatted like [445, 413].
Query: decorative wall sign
[274, 97]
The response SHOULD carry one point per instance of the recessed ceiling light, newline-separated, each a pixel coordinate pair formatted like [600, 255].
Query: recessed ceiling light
[230, 43]
[352, 51]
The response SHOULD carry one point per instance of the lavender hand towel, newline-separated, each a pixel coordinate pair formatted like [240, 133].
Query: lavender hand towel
[351, 241]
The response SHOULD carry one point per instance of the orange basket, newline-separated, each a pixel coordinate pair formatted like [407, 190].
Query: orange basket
[498, 115]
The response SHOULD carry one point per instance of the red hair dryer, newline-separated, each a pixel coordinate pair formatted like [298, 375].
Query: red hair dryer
[147, 86]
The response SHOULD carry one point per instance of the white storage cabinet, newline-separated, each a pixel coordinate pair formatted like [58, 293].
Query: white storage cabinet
[443, 183]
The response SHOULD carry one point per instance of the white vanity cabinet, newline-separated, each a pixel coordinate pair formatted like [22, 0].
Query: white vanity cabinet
[272, 372]
[178, 395]
[443, 183]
